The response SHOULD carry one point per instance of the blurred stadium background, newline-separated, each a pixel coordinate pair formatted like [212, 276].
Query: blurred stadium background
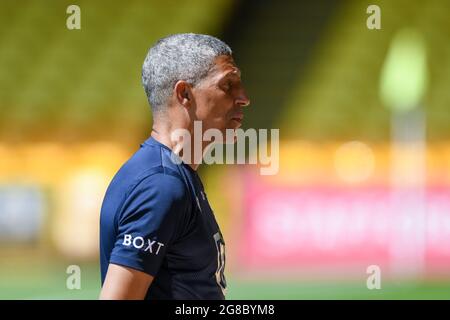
[361, 182]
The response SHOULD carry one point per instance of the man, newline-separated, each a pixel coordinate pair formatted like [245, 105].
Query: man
[158, 235]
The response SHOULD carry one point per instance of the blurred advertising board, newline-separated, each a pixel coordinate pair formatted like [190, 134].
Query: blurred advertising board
[22, 211]
[74, 177]
[319, 222]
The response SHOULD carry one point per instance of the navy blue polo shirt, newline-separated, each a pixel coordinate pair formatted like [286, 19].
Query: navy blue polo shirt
[156, 218]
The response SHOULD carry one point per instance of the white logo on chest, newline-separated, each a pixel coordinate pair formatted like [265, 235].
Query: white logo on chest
[139, 243]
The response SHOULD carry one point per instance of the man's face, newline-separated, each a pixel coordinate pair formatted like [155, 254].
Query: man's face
[220, 97]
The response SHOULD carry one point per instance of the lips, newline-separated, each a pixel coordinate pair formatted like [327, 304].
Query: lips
[238, 117]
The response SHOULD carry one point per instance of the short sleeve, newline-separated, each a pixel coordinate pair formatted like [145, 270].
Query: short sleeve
[148, 222]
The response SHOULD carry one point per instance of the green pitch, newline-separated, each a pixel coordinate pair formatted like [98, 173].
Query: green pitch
[49, 282]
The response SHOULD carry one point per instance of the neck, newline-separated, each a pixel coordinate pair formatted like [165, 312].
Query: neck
[167, 133]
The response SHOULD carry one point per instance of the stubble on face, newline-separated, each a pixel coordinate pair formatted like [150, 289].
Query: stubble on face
[217, 93]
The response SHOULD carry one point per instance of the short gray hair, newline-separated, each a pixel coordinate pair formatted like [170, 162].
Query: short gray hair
[184, 56]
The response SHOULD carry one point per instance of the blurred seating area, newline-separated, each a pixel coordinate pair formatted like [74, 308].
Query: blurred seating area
[60, 84]
[299, 61]
[337, 96]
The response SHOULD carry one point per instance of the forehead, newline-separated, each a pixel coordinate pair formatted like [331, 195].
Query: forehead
[223, 65]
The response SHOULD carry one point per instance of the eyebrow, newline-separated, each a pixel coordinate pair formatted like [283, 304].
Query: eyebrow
[235, 72]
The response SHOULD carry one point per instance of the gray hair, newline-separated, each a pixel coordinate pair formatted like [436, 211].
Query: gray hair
[184, 56]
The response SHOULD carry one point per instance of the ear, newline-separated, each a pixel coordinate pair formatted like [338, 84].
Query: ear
[183, 93]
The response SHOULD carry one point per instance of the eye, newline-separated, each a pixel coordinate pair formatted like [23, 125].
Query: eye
[226, 85]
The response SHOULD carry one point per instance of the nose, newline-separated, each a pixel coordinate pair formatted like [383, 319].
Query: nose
[242, 99]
